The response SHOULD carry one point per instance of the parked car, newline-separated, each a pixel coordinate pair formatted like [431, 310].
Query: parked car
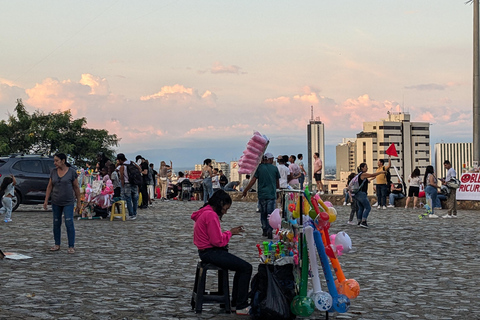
[32, 173]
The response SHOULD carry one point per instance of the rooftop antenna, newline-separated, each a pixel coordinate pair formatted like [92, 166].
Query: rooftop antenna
[311, 112]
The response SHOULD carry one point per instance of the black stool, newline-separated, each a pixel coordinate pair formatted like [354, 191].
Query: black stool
[199, 296]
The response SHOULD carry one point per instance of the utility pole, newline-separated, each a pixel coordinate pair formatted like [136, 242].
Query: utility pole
[476, 84]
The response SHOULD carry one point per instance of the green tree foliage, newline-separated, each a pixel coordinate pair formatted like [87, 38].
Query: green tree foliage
[54, 132]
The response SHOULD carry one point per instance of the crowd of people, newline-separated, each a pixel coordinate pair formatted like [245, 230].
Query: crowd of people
[433, 191]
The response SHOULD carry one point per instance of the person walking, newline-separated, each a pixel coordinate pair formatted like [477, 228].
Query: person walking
[129, 190]
[382, 182]
[452, 193]
[361, 198]
[431, 189]
[212, 246]
[414, 181]
[207, 174]
[63, 187]
[268, 182]
[8, 189]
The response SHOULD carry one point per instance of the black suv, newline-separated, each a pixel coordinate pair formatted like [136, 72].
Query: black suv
[32, 173]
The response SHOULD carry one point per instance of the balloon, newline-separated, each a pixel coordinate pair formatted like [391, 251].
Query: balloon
[341, 303]
[274, 219]
[332, 214]
[350, 288]
[343, 239]
[323, 300]
[291, 207]
[328, 204]
[302, 305]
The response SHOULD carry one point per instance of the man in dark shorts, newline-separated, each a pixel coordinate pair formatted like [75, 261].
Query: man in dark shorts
[317, 171]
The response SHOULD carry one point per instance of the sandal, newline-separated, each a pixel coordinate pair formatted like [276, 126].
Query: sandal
[71, 250]
[55, 248]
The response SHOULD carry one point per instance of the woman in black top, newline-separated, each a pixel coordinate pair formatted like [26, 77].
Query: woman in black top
[363, 204]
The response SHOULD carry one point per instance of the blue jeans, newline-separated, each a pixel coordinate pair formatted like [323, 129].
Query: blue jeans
[382, 194]
[57, 224]
[266, 207]
[347, 197]
[301, 180]
[363, 206]
[243, 271]
[7, 207]
[130, 195]
[394, 196]
[438, 203]
[207, 189]
[431, 193]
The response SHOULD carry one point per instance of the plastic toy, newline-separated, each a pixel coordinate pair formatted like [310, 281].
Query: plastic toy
[302, 305]
[341, 303]
[323, 300]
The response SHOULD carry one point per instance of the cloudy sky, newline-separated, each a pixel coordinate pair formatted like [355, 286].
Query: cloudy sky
[203, 74]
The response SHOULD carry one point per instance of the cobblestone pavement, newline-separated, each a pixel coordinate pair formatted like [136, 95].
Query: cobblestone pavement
[144, 269]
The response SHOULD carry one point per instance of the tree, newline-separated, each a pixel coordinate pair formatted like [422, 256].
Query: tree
[53, 132]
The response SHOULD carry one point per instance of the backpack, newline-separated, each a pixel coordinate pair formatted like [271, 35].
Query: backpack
[354, 186]
[134, 174]
[454, 183]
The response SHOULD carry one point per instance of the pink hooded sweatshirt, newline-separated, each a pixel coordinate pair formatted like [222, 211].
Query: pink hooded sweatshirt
[206, 231]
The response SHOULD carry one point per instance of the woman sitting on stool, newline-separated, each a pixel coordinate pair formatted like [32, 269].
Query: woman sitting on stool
[212, 246]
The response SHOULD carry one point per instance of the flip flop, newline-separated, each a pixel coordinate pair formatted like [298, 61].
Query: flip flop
[55, 248]
[71, 250]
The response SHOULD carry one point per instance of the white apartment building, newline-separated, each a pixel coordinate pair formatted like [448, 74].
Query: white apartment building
[411, 139]
[316, 143]
[460, 156]
[345, 159]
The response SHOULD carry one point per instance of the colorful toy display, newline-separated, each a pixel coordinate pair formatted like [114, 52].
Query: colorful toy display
[301, 231]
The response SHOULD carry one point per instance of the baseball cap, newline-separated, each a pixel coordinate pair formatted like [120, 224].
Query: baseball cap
[268, 155]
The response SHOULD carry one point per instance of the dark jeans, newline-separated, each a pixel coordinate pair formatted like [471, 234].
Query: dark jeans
[243, 271]
[301, 180]
[266, 207]
[354, 209]
[382, 194]
[363, 206]
[57, 224]
[144, 192]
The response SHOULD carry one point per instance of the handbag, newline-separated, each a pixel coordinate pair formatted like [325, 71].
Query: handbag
[454, 183]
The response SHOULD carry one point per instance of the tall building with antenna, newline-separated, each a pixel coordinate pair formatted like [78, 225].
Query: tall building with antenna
[316, 143]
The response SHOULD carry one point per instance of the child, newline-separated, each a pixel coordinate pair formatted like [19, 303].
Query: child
[8, 188]
[354, 208]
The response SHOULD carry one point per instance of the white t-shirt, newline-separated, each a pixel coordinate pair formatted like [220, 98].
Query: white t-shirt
[284, 172]
[215, 182]
[414, 182]
[451, 173]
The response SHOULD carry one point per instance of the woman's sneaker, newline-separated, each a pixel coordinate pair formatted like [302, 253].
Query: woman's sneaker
[243, 312]
[364, 224]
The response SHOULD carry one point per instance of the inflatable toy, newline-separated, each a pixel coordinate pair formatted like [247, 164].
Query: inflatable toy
[323, 300]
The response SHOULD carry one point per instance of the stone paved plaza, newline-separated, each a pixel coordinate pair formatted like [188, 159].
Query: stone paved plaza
[144, 269]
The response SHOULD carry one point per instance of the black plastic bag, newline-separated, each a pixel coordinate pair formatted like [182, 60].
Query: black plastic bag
[273, 289]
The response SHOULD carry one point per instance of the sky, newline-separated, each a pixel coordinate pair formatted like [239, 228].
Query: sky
[202, 76]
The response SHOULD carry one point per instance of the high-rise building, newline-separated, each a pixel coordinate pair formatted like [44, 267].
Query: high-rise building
[316, 143]
[460, 156]
[411, 140]
[345, 160]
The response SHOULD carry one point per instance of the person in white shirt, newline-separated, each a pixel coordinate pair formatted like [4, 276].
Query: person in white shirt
[284, 172]
[452, 195]
[215, 181]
